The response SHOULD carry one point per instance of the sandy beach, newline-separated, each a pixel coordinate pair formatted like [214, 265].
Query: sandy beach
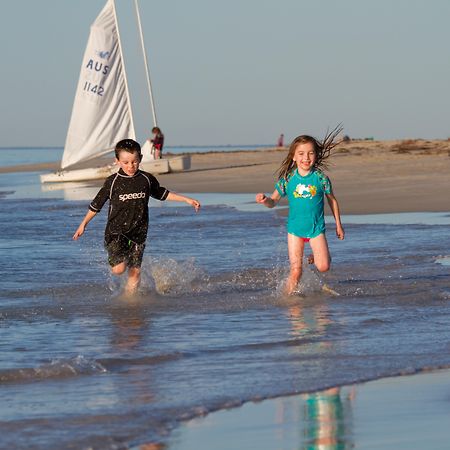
[368, 176]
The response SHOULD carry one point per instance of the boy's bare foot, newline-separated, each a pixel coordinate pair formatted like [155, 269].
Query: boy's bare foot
[131, 288]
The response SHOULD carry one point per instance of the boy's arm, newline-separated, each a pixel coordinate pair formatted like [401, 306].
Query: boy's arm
[334, 206]
[271, 201]
[87, 218]
[174, 197]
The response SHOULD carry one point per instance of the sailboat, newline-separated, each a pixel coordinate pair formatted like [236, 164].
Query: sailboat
[102, 113]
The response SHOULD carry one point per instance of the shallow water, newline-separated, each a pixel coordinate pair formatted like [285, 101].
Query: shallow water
[83, 367]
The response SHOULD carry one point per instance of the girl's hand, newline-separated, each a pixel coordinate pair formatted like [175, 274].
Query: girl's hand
[260, 198]
[340, 233]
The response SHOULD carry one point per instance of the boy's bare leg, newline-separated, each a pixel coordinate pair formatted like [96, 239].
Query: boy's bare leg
[119, 269]
[295, 250]
[134, 278]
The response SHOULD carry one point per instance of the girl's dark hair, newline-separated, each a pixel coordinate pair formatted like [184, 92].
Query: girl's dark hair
[127, 145]
[322, 150]
[156, 130]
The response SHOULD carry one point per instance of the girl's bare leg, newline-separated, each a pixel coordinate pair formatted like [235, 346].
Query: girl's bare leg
[295, 250]
[319, 246]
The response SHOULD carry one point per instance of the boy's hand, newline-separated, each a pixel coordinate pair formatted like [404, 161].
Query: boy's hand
[195, 204]
[79, 232]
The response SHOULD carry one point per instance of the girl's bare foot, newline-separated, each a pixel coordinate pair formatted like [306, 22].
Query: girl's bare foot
[289, 287]
[328, 290]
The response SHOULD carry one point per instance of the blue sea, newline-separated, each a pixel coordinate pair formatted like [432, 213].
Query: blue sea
[82, 367]
[34, 155]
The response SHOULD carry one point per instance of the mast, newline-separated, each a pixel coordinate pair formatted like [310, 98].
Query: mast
[124, 71]
[149, 83]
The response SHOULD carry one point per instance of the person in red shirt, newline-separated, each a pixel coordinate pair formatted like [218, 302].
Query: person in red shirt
[280, 142]
[158, 142]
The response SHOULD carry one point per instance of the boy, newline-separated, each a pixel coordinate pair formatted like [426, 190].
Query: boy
[128, 191]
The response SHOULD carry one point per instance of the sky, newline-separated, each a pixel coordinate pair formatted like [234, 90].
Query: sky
[237, 72]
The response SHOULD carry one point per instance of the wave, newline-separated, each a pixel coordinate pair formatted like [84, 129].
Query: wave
[56, 369]
[81, 366]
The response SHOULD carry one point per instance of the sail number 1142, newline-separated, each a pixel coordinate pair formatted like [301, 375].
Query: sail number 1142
[94, 88]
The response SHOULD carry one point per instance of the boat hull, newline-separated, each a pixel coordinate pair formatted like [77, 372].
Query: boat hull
[179, 163]
[93, 173]
[99, 173]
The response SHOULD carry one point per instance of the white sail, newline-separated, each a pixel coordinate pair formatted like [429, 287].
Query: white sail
[101, 113]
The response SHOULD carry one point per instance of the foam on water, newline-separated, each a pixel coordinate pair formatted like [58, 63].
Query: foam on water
[56, 369]
[444, 260]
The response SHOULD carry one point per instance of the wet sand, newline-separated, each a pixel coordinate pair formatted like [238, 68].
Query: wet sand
[368, 176]
[402, 413]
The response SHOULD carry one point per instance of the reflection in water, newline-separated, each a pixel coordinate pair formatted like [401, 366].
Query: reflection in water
[149, 446]
[327, 416]
[309, 321]
[73, 191]
[130, 325]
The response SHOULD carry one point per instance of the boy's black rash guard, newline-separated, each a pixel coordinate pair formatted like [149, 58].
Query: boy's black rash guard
[128, 206]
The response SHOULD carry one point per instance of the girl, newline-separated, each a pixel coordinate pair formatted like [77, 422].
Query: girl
[301, 179]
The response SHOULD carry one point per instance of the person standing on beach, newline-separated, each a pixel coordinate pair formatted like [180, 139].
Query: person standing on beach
[301, 179]
[157, 142]
[128, 191]
[280, 142]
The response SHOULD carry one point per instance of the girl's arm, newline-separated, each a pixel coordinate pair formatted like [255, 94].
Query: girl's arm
[269, 202]
[174, 197]
[87, 218]
[334, 205]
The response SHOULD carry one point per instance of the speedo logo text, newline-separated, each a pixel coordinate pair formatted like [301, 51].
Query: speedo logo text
[133, 196]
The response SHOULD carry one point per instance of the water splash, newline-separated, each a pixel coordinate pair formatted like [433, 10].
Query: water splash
[310, 283]
[166, 275]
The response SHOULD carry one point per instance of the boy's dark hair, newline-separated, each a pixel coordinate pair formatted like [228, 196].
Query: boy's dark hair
[127, 145]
